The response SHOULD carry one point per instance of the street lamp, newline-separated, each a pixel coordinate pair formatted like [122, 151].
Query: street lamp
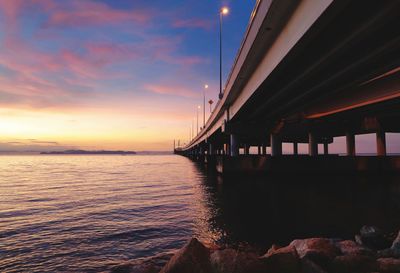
[210, 102]
[198, 107]
[222, 12]
[204, 105]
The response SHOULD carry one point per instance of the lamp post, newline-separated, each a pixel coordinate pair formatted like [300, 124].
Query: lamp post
[198, 107]
[210, 102]
[204, 105]
[222, 12]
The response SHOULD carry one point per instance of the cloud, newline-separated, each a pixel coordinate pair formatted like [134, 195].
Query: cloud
[32, 145]
[90, 13]
[192, 23]
[172, 90]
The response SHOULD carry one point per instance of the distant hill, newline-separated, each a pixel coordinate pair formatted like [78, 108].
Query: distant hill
[83, 152]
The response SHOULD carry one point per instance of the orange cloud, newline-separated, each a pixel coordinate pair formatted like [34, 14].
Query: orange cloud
[172, 90]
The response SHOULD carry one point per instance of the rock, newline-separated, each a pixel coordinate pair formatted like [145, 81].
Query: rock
[282, 260]
[308, 266]
[234, 261]
[386, 253]
[192, 258]
[349, 247]
[318, 250]
[388, 265]
[353, 264]
[373, 237]
[396, 246]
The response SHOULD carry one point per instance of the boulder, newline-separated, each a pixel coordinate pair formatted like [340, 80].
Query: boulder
[308, 266]
[192, 258]
[349, 247]
[386, 253]
[353, 264]
[373, 237]
[282, 260]
[318, 250]
[234, 261]
[388, 265]
[396, 246]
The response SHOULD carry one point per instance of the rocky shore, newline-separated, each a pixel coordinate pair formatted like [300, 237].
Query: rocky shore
[370, 251]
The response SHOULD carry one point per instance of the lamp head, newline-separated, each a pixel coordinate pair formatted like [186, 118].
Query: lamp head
[224, 10]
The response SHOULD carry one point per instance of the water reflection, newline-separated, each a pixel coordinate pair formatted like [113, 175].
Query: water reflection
[266, 210]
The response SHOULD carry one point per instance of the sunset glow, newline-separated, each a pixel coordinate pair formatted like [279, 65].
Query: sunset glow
[107, 74]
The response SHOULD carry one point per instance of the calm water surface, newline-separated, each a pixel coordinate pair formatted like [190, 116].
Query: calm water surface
[88, 213]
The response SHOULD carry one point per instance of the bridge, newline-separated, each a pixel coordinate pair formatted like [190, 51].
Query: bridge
[308, 71]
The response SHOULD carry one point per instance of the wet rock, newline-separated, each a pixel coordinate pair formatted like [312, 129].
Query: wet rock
[349, 247]
[396, 245]
[193, 257]
[283, 260]
[386, 253]
[234, 261]
[373, 237]
[308, 266]
[353, 264]
[318, 250]
[388, 265]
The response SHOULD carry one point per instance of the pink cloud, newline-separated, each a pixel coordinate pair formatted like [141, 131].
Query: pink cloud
[90, 13]
[172, 90]
[192, 23]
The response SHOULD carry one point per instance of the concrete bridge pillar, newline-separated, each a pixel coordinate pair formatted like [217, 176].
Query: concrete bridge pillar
[350, 144]
[326, 148]
[264, 149]
[246, 149]
[381, 143]
[276, 145]
[234, 147]
[312, 144]
[210, 149]
[259, 150]
[295, 148]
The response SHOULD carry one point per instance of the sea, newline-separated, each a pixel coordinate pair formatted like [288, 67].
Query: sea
[81, 213]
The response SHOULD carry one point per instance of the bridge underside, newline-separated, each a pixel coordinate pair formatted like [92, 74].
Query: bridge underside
[340, 76]
[340, 79]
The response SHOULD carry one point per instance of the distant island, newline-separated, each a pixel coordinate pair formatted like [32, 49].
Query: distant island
[83, 152]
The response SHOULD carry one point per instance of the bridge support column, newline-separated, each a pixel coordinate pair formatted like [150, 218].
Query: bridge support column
[210, 149]
[295, 148]
[350, 144]
[276, 145]
[234, 146]
[264, 149]
[381, 143]
[246, 149]
[259, 150]
[312, 144]
[326, 148]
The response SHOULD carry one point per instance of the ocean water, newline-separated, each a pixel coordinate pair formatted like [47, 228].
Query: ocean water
[85, 213]
[89, 213]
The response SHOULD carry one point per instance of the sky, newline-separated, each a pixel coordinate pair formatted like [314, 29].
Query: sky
[108, 74]
[116, 74]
